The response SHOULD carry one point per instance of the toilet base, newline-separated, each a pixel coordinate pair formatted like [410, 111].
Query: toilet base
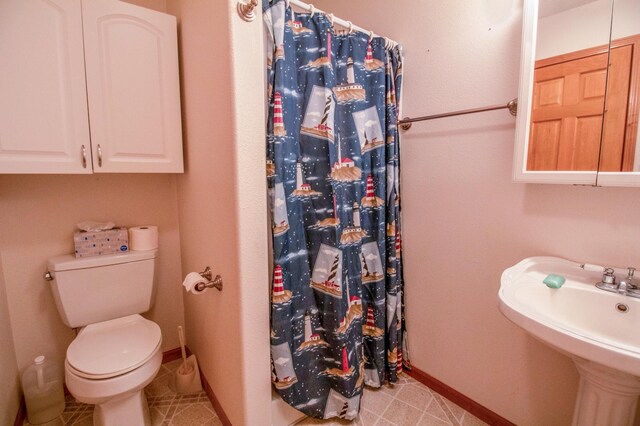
[130, 409]
[118, 400]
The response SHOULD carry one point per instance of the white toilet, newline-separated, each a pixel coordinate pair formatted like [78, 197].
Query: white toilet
[116, 352]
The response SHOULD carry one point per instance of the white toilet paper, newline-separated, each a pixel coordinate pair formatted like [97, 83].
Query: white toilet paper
[191, 280]
[143, 238]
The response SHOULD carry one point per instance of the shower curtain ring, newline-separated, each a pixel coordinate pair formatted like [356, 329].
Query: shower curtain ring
[371, 35]
[350, 27]
[331, 18]
[312, 9]
[390, 43]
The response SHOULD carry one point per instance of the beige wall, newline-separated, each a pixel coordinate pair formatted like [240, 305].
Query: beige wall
[465, 221]
[9, 375]
[222, 202]
[39, 213]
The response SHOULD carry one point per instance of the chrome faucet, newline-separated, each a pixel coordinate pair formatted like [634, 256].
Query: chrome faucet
[626, 286]
[608, 282]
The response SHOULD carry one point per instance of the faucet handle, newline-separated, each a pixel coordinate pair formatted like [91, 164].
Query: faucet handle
[608, 276]
[630, 282]
[608, 282]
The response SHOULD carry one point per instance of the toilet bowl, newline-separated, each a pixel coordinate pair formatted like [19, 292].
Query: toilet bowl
[109, 364]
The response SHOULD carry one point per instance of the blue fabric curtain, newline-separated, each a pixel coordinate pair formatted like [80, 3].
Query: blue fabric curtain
[334, 190]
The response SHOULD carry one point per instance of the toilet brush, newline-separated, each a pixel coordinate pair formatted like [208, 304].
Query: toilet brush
[187, 376]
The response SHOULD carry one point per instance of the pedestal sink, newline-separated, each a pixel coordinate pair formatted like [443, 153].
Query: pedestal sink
[599, 330]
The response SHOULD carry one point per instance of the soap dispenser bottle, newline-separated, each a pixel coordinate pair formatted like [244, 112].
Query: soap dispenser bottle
[43, 393]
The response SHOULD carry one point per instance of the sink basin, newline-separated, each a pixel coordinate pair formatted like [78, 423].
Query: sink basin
[599, 330]
[577, 318]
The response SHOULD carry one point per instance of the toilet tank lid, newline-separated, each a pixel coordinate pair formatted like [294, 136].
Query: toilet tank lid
[69, 262]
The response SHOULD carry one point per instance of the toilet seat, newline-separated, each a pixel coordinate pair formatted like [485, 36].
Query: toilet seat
[112, 348]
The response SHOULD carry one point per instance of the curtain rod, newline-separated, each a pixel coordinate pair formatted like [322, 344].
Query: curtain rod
[512, 106]
[247, 12]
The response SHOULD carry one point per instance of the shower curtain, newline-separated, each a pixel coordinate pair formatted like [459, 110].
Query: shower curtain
[334, 192]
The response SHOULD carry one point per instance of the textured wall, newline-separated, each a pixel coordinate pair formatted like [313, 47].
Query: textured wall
[222, 202]
[465, 221]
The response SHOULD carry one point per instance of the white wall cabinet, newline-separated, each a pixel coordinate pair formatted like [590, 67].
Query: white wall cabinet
[88, 86]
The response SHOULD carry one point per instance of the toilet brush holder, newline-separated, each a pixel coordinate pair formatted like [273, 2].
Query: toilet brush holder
[186, 378]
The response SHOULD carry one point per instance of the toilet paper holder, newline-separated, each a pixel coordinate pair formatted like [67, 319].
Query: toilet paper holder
[208, 275]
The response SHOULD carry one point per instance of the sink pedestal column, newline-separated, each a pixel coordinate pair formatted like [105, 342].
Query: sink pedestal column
[605, 396]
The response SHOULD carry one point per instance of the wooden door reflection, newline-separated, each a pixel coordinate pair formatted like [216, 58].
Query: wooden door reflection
[568, 106]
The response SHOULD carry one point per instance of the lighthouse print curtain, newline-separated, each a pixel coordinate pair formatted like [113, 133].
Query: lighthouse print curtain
[333, 179]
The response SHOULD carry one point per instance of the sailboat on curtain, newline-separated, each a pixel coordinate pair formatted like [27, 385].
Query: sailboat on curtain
[280, 217]
[283, 375]
[327, 271]
[341, 406]
[369, 129]
[371, 263]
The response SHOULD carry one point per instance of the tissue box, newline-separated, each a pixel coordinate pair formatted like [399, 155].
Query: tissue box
[95, 243]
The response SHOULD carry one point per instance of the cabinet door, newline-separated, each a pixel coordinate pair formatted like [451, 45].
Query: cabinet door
[131, 57]
[43, 105]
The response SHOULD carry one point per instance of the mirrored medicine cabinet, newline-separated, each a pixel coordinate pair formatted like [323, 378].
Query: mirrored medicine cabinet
[579, 95]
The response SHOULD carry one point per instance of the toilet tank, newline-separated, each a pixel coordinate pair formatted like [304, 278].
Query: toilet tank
[94, 289]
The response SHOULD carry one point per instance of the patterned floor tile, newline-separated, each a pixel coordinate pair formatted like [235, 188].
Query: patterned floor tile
[165, 406]
[367, 418]
[193, 415]
[402, 413]
[429, 420]
[407, 403]
[375, 400]
[392, 389]
[455, 409]
[384, 422]
[435, 410]
[416, 396]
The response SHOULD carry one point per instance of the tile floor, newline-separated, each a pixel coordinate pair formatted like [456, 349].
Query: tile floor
[165, 406]
[407, 403]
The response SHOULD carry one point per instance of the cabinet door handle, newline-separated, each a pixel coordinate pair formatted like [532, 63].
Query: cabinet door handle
[99, 156]
[84, 157]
